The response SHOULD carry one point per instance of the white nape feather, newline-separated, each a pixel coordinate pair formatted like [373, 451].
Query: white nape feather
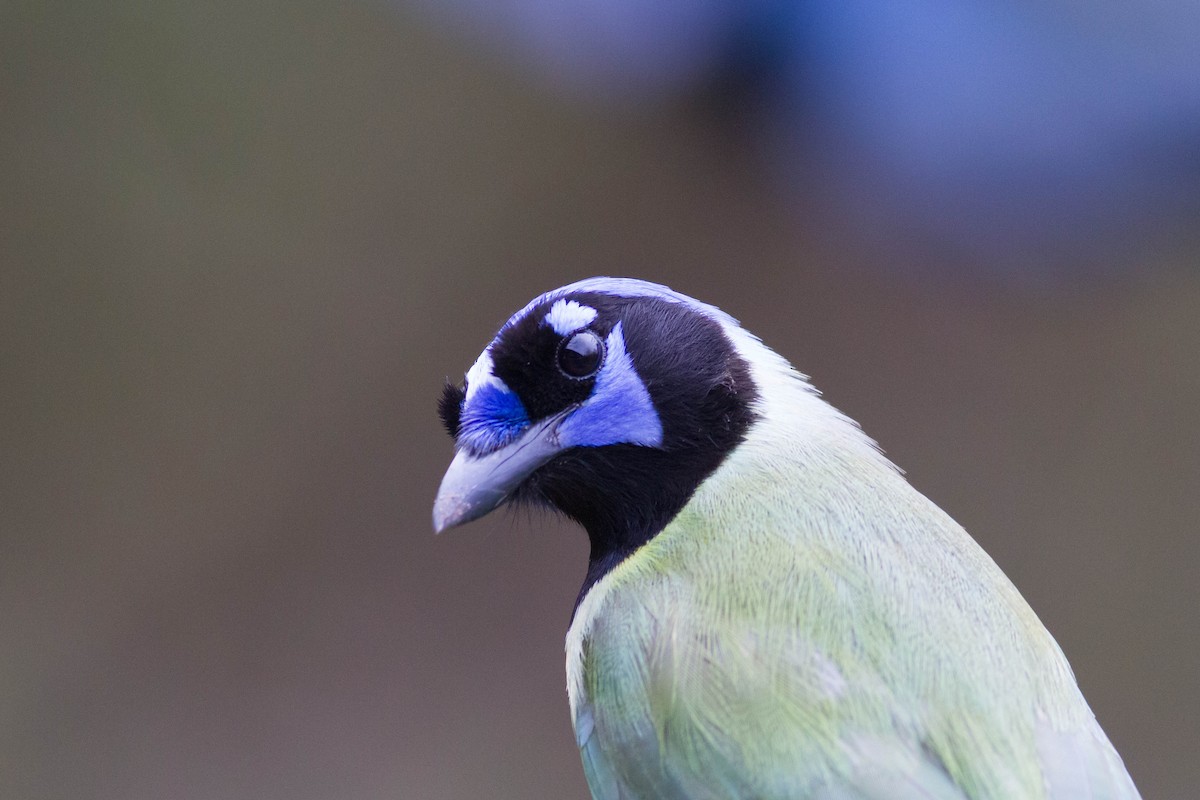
[790, 408]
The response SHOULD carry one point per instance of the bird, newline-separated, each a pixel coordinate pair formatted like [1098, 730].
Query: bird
[770, 610]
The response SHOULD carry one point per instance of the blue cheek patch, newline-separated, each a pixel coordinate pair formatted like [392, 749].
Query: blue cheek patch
[619, 411]
[493, 418]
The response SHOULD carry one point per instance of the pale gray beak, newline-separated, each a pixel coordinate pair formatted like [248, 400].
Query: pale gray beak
[475, 485]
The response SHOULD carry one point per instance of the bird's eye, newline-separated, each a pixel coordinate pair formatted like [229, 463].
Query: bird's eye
[580, 355]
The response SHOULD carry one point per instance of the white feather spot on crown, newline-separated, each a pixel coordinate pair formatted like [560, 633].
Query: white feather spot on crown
[566, 316]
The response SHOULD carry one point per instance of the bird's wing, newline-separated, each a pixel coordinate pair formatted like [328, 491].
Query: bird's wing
[892, 769]
[1082, 764]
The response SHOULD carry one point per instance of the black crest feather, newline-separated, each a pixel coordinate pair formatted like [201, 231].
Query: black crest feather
[450, 407]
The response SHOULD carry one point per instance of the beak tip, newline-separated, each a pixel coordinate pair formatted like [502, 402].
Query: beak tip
[452, 510]
[445, 515]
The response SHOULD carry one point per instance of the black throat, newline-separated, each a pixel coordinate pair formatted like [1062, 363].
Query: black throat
[623, 494]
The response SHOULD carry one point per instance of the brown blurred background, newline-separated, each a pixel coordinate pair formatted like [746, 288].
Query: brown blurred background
[241, 245]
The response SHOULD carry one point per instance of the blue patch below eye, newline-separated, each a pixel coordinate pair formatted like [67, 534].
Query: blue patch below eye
[620, 410]
[494, 417]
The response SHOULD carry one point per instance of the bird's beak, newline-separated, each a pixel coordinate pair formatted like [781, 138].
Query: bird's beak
[475, 485]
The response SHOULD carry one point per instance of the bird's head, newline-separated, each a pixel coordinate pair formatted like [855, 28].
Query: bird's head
[608, 399]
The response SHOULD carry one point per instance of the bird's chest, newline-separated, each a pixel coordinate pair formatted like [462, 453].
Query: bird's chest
[584, 648]
[613, 647]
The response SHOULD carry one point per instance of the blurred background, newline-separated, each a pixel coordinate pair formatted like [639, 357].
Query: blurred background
[242, 245]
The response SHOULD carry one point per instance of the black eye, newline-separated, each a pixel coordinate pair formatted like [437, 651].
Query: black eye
[580, 355]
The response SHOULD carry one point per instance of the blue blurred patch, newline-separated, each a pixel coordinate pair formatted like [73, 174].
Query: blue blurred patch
[1009, 137]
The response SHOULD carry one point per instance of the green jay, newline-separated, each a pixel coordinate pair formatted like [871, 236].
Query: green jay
[770, 610]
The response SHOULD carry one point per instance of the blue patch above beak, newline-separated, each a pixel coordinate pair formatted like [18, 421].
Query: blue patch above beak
[492, 418]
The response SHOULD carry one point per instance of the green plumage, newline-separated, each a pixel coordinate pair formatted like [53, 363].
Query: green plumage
[810, 626]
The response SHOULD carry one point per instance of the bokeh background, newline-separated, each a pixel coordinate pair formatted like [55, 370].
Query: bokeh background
[242, 244]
